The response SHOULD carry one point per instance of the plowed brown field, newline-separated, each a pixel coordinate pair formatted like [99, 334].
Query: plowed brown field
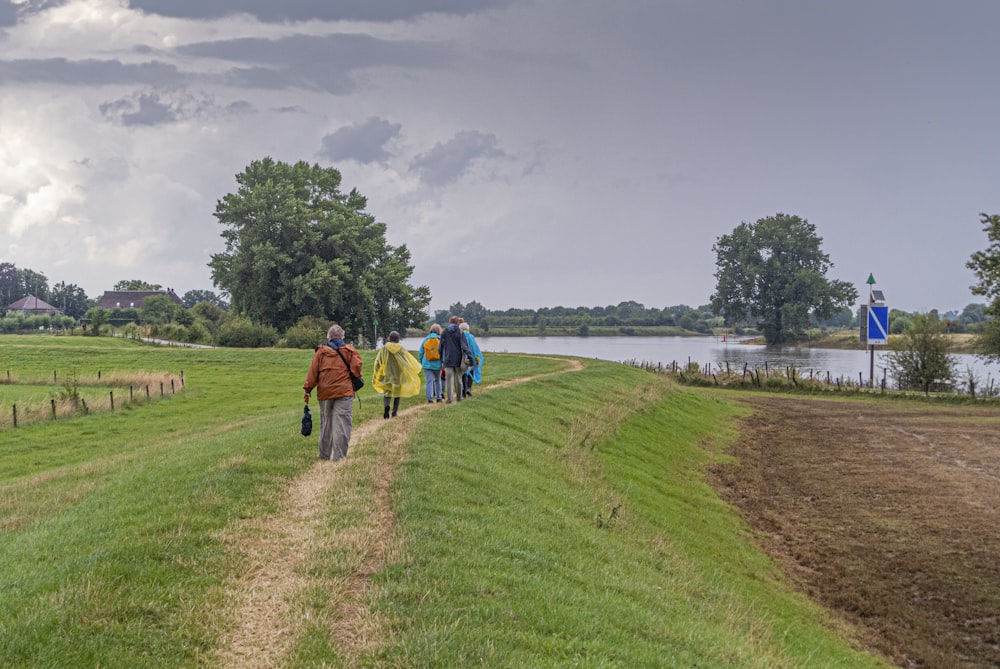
[887, 513]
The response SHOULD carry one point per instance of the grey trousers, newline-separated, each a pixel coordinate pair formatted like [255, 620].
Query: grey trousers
[335, 418]
[453, 382]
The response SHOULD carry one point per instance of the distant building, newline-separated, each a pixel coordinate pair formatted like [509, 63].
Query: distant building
[133, 299]
[32, 306]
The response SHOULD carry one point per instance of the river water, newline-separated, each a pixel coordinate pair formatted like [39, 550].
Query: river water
[717, 352]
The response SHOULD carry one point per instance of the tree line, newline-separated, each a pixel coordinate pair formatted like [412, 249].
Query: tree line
[300, 253]
[624, 314]
[692, 320]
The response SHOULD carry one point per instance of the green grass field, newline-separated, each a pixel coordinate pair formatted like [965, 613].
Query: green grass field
[559, 518]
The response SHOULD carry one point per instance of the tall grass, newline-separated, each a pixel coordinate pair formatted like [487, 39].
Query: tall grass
[559, 522]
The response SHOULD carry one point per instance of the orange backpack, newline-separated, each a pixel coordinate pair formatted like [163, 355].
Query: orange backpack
[431, 351]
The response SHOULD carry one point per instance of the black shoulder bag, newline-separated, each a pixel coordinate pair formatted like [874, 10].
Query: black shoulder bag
[356, 381]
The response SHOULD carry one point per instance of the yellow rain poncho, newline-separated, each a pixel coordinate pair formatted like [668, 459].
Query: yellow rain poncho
[396, 373]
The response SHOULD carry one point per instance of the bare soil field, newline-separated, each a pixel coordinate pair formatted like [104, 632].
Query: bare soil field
[885, 512]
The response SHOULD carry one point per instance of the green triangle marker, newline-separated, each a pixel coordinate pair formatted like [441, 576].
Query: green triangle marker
[871, 279]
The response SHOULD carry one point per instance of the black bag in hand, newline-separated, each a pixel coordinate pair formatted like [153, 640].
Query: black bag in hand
[307, 422]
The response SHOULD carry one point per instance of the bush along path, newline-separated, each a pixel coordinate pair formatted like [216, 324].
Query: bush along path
[270, 603]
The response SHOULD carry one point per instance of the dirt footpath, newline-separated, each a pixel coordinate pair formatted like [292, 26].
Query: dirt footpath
[886, 512]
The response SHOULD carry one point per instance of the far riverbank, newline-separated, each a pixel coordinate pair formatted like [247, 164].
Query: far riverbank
[841, 340]
[849, 340]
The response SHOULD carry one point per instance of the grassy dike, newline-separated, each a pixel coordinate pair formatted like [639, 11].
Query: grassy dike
[559, 518]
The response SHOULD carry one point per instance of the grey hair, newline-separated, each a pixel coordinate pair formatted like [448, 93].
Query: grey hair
[436, 329]
[463, 326]
[335, 332]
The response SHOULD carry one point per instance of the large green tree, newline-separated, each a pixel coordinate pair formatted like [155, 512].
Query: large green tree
[773, 273]
[296, 246]
[986, 266]
[70, 298]
[193, 297]
[33, 283]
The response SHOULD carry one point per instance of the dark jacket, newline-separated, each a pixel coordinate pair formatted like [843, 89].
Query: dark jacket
[454, 347]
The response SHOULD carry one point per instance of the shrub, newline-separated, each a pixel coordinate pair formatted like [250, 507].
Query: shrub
[11, 323]
[37, 322]
[198, 334]
[302, 336]
[171, 332]
[919, 358]
[241, 332]
[183, 317]
[307, 333]
[120, 316]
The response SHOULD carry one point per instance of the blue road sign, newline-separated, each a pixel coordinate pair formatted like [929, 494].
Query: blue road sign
[878, 324]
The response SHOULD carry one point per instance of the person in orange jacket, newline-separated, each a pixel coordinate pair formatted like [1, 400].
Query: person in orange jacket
[333, 365]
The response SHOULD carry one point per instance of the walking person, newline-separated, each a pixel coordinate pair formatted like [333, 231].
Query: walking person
[430, 360]
[454, 351]
[474, 373]
[333, 366]
[395, 374]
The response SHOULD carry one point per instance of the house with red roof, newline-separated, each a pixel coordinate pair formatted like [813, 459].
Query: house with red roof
[32, 306]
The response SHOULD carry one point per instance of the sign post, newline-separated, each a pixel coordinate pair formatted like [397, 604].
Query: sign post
[875, 325]
[375, 325]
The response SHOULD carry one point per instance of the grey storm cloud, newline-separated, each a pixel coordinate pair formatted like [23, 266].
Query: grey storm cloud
[448, 161]
[306, 62]
[153, 109]
[364, 142]
[240, 107]
[322, 10]
[323, 63]
[88, 72]
[147, 110]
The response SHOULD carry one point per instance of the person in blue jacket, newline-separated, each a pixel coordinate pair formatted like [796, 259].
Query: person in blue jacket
[454, 353]
[429, 356]
[474, 374]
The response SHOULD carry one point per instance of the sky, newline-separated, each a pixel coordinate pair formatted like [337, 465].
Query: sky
[528, 153]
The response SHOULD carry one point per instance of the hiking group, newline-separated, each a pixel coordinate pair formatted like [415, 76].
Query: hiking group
[451, 361]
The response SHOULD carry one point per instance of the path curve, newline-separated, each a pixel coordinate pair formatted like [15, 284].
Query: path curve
[277, 547]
